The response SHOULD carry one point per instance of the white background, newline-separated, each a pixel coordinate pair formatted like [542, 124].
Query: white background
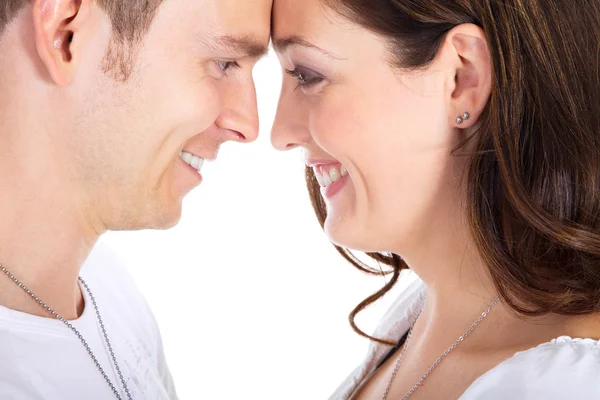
[251, 297]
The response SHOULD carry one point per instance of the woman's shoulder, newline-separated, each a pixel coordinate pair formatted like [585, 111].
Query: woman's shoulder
[403, 311]
[564, 368]
[394, 324]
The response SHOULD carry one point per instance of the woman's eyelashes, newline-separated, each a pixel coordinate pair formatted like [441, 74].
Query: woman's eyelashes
[305, 77]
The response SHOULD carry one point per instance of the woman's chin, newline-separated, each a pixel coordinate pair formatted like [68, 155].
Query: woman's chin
[342, 234]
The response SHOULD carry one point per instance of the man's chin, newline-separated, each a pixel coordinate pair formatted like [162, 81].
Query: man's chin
[170, 224]
[165, 218]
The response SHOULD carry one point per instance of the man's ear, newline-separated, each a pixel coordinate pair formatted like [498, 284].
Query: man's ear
[58, 26]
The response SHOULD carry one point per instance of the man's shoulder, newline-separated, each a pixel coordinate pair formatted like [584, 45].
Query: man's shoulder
[115, 290]
[106, 270]
[104, 260]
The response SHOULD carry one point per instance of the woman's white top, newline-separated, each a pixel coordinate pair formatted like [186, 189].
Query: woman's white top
[564, 368]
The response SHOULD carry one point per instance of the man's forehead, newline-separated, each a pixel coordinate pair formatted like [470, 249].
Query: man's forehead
[237, 24]
[243, 16]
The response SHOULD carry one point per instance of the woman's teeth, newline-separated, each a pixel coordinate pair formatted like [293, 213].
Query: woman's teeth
[192, 160]
[328, 175]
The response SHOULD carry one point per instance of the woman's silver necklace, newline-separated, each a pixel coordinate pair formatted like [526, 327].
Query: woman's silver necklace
[76, 332]
[436, 362]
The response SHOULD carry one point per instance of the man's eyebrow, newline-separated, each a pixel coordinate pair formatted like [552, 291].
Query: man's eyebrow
[244, 45]
[282, 44]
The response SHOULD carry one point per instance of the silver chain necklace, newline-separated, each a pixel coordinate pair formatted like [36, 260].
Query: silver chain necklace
[76, 332]
[436, 362]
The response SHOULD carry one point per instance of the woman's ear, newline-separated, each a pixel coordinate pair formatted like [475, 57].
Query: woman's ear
[471, 74]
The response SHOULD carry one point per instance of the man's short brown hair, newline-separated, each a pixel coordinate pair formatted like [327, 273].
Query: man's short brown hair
[131, 20]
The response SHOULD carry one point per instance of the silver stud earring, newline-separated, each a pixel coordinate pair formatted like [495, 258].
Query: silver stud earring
[462, 118]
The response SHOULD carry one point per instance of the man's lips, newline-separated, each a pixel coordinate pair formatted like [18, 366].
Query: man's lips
[192, 160]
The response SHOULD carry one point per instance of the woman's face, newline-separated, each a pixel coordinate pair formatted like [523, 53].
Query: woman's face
[378, 139]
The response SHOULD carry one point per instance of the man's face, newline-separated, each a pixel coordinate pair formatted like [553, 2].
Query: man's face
[185, 94]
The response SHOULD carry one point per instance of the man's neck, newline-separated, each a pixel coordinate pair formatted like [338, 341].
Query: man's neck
[44, 241]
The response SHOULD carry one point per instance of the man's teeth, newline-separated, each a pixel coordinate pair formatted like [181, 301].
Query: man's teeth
[328, 175]
[194, 161]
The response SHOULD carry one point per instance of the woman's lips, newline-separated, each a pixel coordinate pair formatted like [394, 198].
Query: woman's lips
[328, 174]
[331, 175]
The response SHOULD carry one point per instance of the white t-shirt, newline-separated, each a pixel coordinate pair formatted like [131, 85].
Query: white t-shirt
[40, 358]
[564, 368]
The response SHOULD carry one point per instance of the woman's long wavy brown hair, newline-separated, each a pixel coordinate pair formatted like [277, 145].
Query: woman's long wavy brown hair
[534, 177]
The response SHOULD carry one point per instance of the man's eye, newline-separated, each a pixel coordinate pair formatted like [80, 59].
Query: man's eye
[225, 65]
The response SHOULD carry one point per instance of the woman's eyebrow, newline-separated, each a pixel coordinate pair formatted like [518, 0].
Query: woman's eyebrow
[282, 44]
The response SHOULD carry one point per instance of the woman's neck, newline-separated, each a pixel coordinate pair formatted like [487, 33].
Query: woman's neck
[460, 289]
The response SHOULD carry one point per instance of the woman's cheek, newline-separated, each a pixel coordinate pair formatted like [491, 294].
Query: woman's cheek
[332, 123]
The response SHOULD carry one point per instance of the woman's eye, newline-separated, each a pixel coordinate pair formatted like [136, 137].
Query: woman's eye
[304, 79]
[225, 65]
